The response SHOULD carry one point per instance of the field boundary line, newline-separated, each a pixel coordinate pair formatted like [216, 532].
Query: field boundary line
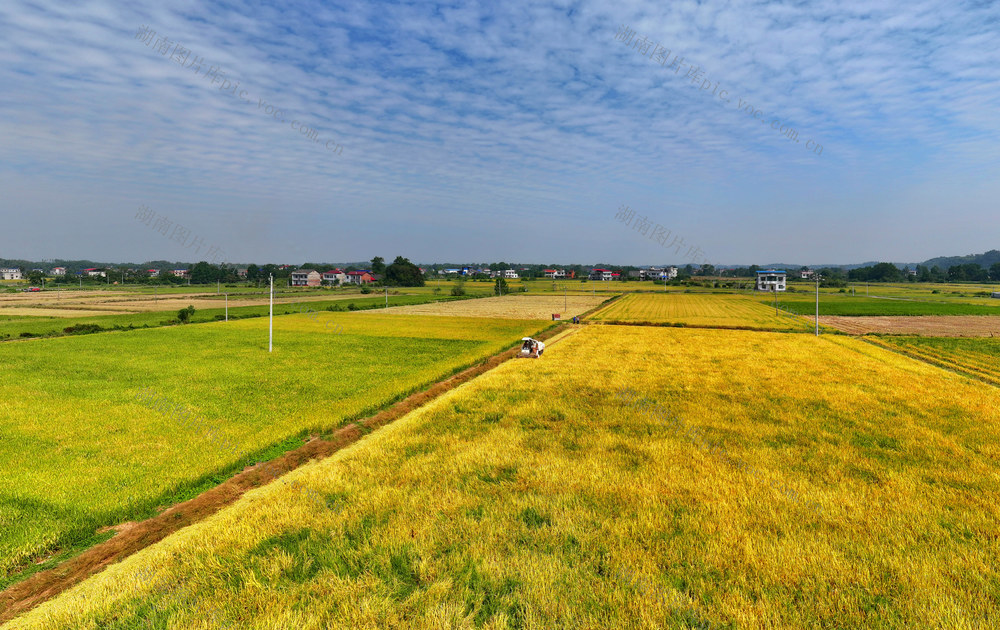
[22, 596]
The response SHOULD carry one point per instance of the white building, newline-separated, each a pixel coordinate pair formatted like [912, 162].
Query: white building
[655, 273]
[181, 273]
[806, 274]
[510, 274]
[603, 275]
[10, 273]
[306, 278]
[771, 280]
[555, 273]
[334, 276]
[58, 271]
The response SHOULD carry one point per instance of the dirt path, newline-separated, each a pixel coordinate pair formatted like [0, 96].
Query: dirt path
[132, 537]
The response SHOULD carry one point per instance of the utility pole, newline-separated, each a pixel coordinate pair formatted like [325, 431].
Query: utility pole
[387, 297]
[817, 305]
[565, 300]
[774, 288]
[227, 307]
[270, 316]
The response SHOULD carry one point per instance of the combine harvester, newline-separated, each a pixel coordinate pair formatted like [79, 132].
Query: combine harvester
[531, 348]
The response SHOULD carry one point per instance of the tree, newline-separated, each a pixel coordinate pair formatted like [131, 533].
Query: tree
[995, 271]
[253, 273]
[185, 314]
[378, 265]
[500, 287]
[402, 273]
[204, 273]
[458, 289]
[35, 277]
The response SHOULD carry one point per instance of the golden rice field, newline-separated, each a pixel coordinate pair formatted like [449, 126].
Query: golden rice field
[100, 429]
[513, 306]
[979, 357]
[858, 489]
[698, 309]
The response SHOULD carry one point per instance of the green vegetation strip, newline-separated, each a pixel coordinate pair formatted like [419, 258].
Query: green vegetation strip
[805, 304]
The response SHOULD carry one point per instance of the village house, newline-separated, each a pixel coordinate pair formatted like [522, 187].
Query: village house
[771, 280]
[58, 271]
[95, 272]
[10, 273]
[334, 277]
[360, 277]
[306, 278]
[555, 273]
[603, 275]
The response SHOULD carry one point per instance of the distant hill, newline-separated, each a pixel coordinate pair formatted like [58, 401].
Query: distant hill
[983, 260]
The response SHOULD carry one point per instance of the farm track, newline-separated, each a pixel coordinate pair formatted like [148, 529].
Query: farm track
[132, 537]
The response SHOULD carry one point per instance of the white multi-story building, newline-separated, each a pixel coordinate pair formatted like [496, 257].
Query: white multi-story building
[306, 278]
[58, 271]
[771, 280]
[603, 275]
[10, 273]
[334, 276]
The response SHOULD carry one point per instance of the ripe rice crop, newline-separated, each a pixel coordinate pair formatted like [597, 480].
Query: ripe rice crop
[81, 449]
[698, 309]
[534, 497]
[978, 357]
[513, 306]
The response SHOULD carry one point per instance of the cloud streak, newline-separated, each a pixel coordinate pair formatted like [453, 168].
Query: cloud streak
[458, 118]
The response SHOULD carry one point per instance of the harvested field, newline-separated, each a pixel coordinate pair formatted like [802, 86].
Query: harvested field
[925, 325]
[507, 307]
[83, 304]
[36, 311]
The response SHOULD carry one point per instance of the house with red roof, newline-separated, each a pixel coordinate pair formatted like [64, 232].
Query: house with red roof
[360, 277]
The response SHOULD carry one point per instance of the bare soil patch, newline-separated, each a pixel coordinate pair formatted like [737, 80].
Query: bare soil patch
[926, 325]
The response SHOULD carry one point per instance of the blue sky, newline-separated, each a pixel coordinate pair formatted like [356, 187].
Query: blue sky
[501, 130]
